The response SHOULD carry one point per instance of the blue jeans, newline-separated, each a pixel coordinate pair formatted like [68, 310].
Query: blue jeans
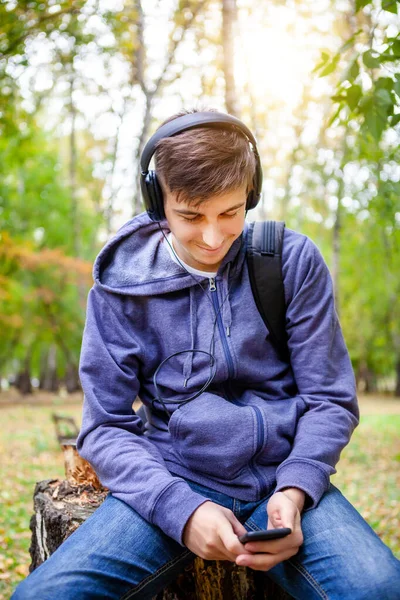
[116, 554]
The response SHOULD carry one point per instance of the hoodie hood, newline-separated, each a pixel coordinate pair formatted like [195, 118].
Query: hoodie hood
[136, 261]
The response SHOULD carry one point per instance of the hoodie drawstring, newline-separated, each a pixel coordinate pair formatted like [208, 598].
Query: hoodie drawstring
[226, 315]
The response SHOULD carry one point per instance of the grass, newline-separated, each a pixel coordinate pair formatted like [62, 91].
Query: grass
[369, 476]
[29, 452]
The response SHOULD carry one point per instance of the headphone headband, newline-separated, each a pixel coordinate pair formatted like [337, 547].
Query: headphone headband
[191, 121]
[151, 189]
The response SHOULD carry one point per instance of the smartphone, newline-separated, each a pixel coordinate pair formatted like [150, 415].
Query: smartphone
[265, 535]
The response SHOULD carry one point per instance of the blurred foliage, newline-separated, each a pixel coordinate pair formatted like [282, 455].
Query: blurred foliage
[367, 90]
[82, 86]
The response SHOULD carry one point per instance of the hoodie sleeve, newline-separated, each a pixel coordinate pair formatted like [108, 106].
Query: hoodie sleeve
[111, 437]
[322, 371]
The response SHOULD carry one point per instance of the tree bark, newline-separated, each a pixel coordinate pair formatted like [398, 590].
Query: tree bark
[229, 14]
[72, 382]
[368, 377]
[397, 388]
[73, 169]
[23, 380]
[336, 248]
[48, 376]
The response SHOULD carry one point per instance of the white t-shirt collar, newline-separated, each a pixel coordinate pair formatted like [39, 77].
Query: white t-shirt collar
[191, 270]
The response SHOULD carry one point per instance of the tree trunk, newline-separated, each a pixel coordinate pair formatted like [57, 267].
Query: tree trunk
[48, 377]
[336, 246]
[73, 169]
[23, 380]
[72, 382]
[397, 389]
[368, 377]
[58, 511]
[229, 13]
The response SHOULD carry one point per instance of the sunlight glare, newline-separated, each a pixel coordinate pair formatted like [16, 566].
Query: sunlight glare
[275, 62]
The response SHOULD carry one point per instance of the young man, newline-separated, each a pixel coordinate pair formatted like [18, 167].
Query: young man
[237, 438]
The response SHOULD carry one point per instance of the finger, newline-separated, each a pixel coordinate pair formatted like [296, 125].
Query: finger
[237, 527]
[264, 562]
[269, 547]
[282, 516]
[228, 533]
[291, 541]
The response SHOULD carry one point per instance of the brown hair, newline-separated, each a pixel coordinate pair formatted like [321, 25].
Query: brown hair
[203, 162]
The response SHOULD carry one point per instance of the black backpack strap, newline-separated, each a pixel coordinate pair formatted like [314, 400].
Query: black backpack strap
[264, 260]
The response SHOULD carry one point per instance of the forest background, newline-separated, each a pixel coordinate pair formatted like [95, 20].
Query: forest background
[84, 83]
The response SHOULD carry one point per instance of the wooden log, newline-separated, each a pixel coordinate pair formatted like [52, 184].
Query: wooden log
[60, 507]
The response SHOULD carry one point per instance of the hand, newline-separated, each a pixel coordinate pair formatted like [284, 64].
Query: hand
[212, 533]
[283, 510]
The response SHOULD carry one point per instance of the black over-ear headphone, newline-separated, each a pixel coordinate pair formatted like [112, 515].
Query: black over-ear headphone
[151, 189]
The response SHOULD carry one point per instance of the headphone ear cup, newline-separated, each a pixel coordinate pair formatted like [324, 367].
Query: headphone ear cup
[158, 197]
[152, 196]
[251, 201]
[253, 198]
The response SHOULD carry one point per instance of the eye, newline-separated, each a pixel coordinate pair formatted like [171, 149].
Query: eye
[231, 215]
[191, 219]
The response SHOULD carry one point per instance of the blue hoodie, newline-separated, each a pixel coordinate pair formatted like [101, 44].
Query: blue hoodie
[261, 425]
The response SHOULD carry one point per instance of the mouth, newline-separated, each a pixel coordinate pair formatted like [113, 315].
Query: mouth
[211, 250]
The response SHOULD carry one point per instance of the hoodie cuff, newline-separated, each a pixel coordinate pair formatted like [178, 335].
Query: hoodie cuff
[174, 507]
[305, 476]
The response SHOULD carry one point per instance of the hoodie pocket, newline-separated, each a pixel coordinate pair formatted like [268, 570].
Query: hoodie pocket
[214, 436]
[280, 419]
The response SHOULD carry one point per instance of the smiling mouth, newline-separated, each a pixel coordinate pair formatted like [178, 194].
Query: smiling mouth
[211, 249]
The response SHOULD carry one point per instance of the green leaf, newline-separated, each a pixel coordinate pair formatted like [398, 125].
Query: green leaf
[334, 116]
[383, 98]
[354, 69]
[385, 83]
[350, 42]
[354, 94]
[389, 6]
[323, 60]
[396, 85]
[370, 61]
[395, 119]
[361, 4]
[389, 57]
[376, 110]
[330, 67]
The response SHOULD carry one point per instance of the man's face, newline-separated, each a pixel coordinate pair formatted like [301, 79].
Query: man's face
[202, 235]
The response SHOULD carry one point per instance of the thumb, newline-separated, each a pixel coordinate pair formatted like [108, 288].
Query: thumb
[282, 512]
[237, 527]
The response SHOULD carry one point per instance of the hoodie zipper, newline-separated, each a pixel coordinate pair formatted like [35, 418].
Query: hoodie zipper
[214, 296]
[228, 356]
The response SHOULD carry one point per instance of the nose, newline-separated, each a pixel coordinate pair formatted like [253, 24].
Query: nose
[212, 237]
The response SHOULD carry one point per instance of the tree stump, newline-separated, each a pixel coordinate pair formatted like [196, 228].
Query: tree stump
[59, 509]
[61, 506]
